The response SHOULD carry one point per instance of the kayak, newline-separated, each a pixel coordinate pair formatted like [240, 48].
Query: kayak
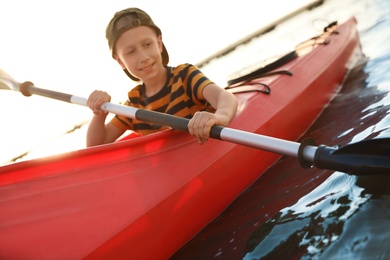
[145, 197]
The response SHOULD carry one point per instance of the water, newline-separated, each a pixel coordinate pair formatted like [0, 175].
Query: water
[292, 213]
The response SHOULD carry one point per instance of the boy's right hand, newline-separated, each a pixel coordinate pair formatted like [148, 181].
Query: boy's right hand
[96, 100]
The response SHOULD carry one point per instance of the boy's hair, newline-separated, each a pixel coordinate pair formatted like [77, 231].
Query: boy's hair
[125, 20]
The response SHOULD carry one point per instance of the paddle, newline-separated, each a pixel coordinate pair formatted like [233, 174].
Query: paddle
[365, 157]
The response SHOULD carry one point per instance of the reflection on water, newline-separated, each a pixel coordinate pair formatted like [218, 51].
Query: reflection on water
[346, 216]
[308, 227]
[366, 233]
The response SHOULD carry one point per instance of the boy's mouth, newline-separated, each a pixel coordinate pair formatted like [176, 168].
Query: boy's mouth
[146, 68]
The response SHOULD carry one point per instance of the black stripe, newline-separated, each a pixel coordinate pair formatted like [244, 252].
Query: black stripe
[189, 83]
[130, 120]
[134, 100]
[146, 126]
[161, 109]
[197, 85]
[190, 103]
[166, 90]
[176, 108]
[178, 93]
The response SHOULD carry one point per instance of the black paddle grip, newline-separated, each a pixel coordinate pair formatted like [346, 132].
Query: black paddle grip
[175, 122]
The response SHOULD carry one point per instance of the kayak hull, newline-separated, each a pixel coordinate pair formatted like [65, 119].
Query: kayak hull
[145, 197]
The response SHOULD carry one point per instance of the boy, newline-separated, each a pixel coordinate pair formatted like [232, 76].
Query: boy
[136, 44]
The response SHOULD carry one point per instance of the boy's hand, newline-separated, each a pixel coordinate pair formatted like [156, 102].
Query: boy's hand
[201, 123]
[96, 100]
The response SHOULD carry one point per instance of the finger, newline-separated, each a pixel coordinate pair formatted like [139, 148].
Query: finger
[190, 127]
[200, 125]
[193, 124]
[93, 99]
[201, 141]
[207, 128]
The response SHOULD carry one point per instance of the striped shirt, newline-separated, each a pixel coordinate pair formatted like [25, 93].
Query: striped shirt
[181, 96]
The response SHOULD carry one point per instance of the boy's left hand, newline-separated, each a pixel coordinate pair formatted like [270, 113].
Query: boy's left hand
[201, 123]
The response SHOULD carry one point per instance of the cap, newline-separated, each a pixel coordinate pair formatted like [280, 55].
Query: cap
[125, 20]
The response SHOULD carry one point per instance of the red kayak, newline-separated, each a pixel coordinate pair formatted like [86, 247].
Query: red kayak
[145, 197]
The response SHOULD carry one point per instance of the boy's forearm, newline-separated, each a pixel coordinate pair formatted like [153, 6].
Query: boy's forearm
[227, 106]
[96, 131]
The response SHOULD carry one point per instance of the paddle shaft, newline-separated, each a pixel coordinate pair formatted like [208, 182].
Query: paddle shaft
[267, 143]
[361, 158]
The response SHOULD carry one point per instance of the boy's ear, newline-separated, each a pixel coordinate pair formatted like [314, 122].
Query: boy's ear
[119, 61]
[160, 43]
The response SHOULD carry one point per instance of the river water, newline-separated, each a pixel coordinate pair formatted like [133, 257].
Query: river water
[293, 213]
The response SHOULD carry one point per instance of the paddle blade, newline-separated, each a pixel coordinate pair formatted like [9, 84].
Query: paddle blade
[362, 158]
[7, 82]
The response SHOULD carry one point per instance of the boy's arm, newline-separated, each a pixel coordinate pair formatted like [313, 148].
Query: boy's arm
[223, 101]
[225, 104]
[99, 133]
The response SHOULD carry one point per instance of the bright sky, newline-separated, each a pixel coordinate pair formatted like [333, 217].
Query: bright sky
[51, 42]
[61, 45]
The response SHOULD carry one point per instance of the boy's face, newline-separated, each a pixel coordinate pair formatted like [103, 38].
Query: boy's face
[139, 51]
